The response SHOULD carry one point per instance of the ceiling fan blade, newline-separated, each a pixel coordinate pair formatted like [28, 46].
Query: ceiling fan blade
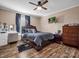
[34, 8]
[44, 8]
[33, 3]
[44, 2]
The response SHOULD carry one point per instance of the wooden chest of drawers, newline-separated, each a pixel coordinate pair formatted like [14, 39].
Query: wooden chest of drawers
[71, 35]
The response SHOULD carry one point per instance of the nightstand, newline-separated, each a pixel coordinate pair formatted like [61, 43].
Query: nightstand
[58, 38]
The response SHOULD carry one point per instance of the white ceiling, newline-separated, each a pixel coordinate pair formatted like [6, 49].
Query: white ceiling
[24, 7]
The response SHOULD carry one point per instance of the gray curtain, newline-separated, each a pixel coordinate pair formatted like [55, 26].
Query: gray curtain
[18, 16]
[27, 20]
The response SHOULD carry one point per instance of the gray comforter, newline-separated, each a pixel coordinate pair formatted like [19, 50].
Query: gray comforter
[39, 37]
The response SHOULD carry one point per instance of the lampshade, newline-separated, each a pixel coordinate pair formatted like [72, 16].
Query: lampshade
[11, 26]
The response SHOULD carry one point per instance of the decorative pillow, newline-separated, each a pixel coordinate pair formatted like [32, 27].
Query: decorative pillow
[31, 31]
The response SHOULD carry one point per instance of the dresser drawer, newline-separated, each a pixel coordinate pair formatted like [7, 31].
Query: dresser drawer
[3, 39]
[71, 42]
[71, 35]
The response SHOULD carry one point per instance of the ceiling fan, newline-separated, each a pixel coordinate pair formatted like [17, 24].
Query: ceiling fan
[39, 5]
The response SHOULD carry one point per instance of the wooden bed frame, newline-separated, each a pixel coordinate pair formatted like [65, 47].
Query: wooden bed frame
[32, 44]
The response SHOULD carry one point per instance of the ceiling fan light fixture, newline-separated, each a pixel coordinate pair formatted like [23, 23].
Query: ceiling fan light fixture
[39, 5]
[39, 8]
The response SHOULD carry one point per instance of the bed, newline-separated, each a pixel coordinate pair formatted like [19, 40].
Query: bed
[37, 37]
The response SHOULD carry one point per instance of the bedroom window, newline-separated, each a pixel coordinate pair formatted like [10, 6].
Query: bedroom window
[22, 21]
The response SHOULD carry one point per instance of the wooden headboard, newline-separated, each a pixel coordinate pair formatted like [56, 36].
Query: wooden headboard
[28, 27]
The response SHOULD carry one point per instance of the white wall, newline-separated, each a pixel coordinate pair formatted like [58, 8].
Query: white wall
[9, 18]
[36, 22]
[64, 17]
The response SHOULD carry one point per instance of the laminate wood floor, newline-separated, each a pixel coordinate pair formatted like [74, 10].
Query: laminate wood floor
[53, 50]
